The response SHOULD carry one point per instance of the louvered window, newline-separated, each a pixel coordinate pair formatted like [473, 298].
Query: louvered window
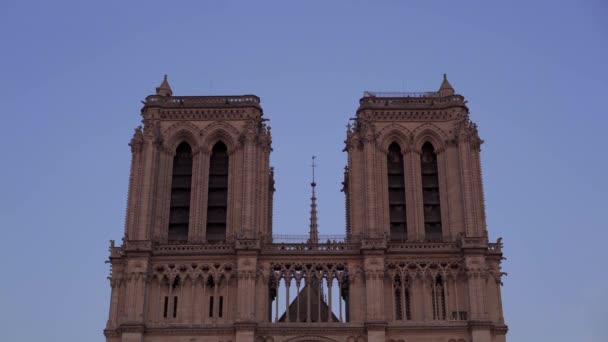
[396, 193]
[217, 201]
[181, 183]
[430, 193]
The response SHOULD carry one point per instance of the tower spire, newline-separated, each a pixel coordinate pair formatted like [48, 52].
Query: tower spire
[313, 233]
[164, 89]
[446, 88]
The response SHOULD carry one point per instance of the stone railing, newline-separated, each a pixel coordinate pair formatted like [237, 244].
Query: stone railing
[423, 247]
[400, 94]
[287, 238]
[414, 100]
[203, 101]
[337, 246]
[310, 248]
[188, 249]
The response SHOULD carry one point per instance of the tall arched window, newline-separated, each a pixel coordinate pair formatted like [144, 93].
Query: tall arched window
[396, 193]
[430, 193]
[401, 297]
[181, 183]
[218, 194]
[438, 299]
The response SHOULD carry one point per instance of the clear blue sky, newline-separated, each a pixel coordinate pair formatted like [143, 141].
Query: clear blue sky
[72, 75]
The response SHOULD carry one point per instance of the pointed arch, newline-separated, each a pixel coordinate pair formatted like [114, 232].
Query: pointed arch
[217, 194]
[394, 133]
[180, 132]
[429, 132]
[220, 131]
[181, 185]
[438, 298]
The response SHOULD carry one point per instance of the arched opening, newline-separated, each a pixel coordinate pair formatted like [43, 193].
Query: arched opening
[181, 184]
[401, 297]
[308, 294]
[430, 193]
[396, 193]
[438, 299]
[217, 200]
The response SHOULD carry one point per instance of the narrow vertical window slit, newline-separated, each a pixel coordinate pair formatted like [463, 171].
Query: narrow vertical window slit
[181, 183]
[221, 306]
[430, 193]
[174, 306]
[217, 200]
[396, 193]
[166, 307]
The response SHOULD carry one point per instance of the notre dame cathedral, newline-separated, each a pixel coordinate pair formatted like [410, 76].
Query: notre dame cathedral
[199, 261]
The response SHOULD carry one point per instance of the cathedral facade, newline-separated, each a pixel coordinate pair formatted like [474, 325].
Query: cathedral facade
[199, 260]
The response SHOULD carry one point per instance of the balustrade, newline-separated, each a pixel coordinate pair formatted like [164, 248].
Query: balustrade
[193, 101]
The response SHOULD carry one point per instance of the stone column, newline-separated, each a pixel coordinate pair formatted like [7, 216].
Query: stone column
[416, 195]
[480, 331]
[403, 299]
[374, 286]
[446, 229]
[133, 325]
[199, 193]
[149, 184]
[136, 270]
[477, 184]
[137, 146]
[245, 331]
[464, 154]
[427, 299]
[262, 300]
[287, 285]
[246, 271]
[476, 287]
[113, 315]
[161, 226]
[453, 193]
[376, 332]
[371, 193]
[249, 175]
[234, 219]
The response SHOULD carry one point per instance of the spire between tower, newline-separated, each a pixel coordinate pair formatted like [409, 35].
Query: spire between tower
[314, 232]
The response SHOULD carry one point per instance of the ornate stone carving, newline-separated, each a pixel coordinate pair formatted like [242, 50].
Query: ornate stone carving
[137, 141]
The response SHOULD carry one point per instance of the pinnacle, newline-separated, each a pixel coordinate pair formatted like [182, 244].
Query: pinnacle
[164, 89]
[446, 88]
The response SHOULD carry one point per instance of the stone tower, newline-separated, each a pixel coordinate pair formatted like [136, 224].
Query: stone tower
[199, 261]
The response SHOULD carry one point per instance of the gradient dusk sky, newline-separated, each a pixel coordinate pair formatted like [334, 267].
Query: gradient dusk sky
[535, 74]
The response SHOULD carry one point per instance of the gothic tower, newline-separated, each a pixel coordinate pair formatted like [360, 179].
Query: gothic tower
[199, 261]
[415, 201]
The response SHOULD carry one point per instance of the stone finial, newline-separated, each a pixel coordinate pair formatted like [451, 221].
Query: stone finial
[446, 88]
[164, 89]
